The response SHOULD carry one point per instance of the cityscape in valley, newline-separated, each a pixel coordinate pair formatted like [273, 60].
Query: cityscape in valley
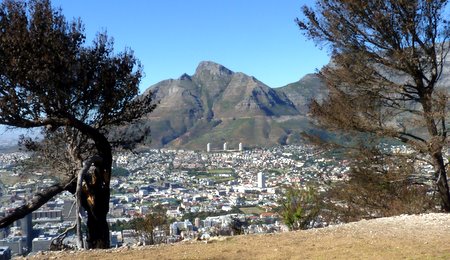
[201, 192]
[222, 184]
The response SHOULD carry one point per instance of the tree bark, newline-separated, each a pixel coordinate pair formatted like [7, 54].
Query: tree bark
[98, 229]
[435, 145]
[441, 180]
[82, 176]
[96, 193]
[95, 200]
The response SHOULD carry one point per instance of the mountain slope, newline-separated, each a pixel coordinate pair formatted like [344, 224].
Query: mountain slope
[302, 92]
[217, 105]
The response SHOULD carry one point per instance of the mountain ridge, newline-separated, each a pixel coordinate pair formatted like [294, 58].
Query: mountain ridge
[218, 105]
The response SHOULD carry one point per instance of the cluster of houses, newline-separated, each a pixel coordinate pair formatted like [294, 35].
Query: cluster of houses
[203, 193]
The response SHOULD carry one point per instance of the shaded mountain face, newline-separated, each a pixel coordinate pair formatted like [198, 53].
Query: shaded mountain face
[217, 105]
[302, 92]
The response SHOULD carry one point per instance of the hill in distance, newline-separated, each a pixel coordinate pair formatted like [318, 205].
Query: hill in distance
[217, 105]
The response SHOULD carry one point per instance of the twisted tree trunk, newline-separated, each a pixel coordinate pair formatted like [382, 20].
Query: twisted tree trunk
[96, 199]
[440, 175]
[83, 175]
[95, 193]
[436, 145]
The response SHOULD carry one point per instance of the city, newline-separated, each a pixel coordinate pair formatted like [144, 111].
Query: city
[222, 184]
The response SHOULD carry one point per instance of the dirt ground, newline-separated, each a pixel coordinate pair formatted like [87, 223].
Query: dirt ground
[411, 237]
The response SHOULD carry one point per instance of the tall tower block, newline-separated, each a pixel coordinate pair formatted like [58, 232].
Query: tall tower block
[240, 147]
[261, 180]
[225, 146]
[208, 147]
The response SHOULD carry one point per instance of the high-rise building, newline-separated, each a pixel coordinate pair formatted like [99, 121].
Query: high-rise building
[26, 226]
[225, 146]
[261, 180]
[176, 227]
[197, 222]
[240, 147]
[208, 147]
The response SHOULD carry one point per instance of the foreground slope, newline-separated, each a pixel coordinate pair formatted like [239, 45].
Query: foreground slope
[411, 237]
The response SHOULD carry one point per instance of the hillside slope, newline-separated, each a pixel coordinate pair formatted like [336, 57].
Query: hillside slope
[411, 237]
[216, 105]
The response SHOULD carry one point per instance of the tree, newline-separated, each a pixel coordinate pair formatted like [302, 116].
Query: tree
[52, 80]
[385, 78]
[152, 221]
[379, 184]
[299, 207]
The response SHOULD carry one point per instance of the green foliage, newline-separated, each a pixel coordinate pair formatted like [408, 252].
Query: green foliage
[300, 207]
[217, 175]
[238, 225]
[120, 172]
[123, 225]
[252, 210]
[221, 171]
[50, 74]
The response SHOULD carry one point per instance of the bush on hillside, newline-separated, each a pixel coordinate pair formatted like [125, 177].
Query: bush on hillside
[380, 185]
[299, 207]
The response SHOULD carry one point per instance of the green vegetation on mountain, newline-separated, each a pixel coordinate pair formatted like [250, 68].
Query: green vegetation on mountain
[216, 105]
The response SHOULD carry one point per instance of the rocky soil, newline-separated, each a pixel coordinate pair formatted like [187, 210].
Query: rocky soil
[406, 236]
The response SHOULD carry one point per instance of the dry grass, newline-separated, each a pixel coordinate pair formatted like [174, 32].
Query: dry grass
[410, 237]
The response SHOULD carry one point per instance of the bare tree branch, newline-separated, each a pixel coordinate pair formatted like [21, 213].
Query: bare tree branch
[36, 202]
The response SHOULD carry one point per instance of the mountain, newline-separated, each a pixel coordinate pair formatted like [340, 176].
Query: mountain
[303, 91]
[217, 105]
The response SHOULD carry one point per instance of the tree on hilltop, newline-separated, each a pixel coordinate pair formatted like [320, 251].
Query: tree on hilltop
[385, 78]
[51, 79]
[150, 223]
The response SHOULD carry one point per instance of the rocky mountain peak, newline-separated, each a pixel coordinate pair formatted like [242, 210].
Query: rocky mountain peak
[184, 77]
[216, 103]
[212, 68]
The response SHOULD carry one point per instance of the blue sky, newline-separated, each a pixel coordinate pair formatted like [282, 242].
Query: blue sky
[170, 37]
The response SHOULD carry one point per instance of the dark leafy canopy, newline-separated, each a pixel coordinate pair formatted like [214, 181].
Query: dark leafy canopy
[386, 78]
[50, 78]
[48, 75]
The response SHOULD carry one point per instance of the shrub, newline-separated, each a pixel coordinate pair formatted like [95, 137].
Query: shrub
[300, 207]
